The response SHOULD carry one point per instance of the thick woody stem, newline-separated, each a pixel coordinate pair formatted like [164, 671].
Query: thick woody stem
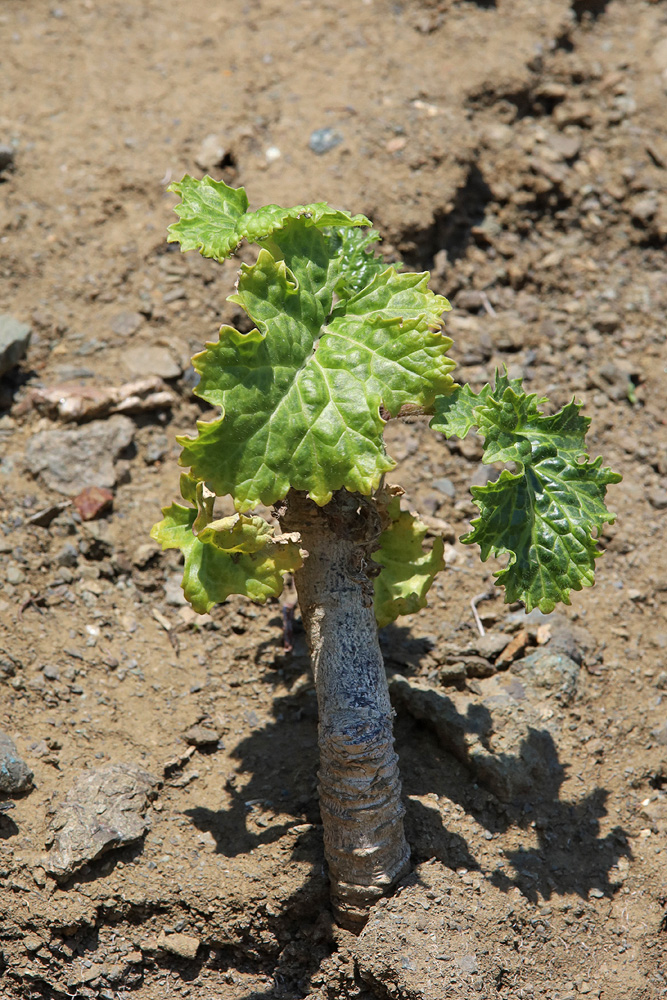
[359, 784]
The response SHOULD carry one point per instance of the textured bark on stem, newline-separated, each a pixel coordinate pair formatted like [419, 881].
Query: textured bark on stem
[359, 784]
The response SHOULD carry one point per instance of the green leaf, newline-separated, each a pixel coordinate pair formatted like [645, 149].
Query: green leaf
[300, 395]
[358, 265]
[407, 569]
[214, 218]
[544, 513]
[234, 555]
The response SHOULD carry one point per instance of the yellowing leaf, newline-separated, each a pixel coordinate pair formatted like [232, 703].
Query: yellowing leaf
[235, 555]
[408, 570]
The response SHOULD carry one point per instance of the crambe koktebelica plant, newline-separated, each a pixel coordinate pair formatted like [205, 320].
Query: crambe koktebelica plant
[344, 342]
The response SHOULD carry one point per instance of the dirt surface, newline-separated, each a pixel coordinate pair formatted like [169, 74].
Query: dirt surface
[519, 150]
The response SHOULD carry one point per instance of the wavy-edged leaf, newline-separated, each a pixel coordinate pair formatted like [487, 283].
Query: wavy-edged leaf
[358, 263]
[408, 570]
[300, 395]
[544, 514]
[234, 555]
[214, 218]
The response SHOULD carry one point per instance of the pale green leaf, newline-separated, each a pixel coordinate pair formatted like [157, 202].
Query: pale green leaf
[546, 514]
[358, 263]
[301, 394]
[214, 218]
[408, 570]
[235, 555]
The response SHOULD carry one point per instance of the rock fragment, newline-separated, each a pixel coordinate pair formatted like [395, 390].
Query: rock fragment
[14, 341]
[7, 156]
[322, 140]
[15, 775]
[182, 945]
[202, 735]
[93, 501]
[548, 668]
[658, 498]
[104, 808]
[8, 665]
[211, 154]
[155, 361]
[68, 461]
[501, 736]
[80, 403]
[124, 324]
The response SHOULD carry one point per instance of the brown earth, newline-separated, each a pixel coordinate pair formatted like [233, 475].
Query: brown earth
[519, 149]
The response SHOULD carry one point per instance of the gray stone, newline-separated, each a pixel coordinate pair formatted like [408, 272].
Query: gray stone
[8, 666]
[548, 668]
[182, 945]
[501, 735]
[156, 449]
[324, 139]
[643, 210]
[202, 735]
[14, 340]
[69, 460]
[104, 808]
[470, 299]
[14, 574]
[445, 486]
[126, 323]
[67, 556]
[141, 361]
[7, 155]
[211, 153]
[658, 498]
[15, 775]
[660, 735]
[490, 645]
[565, 146]
[31, 942]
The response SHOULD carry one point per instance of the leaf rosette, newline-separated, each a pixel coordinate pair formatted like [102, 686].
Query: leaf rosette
[339, 336]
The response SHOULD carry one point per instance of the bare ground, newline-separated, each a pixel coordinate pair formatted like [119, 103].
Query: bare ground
[519, 150]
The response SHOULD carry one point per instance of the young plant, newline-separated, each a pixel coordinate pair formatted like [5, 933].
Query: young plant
[344, 342]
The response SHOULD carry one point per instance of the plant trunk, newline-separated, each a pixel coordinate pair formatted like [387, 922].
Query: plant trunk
[359, 784]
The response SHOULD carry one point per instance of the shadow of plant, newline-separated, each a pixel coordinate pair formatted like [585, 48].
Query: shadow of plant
[281, 758]
[570, 856]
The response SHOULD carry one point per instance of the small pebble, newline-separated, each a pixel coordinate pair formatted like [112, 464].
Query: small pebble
[6, 157]
[14, 341]
[15, 775]
[445, 486]
[211, 153]
[67, 556]
[14, 574]
[126, 323]
[182, 945]
[322, 140]
[643, 210]
[93, 501]
[658, 498]
[156, 449]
